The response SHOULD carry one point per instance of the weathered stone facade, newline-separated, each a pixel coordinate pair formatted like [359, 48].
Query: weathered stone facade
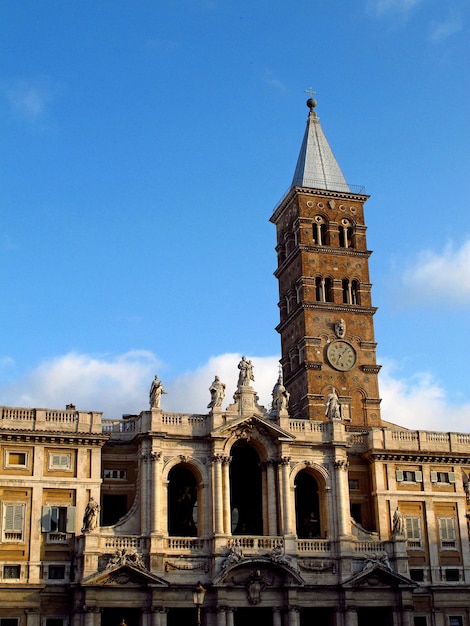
[312, 511]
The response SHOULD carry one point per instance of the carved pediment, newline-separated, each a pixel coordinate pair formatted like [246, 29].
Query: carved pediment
[246, 427]
[123, 575]
[378, 575]
[235, 573]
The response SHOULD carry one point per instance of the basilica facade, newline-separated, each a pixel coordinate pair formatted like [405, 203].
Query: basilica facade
[311, 511]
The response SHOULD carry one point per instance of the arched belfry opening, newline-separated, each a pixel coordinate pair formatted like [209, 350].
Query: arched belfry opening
[182, 502]
[307, 506]
[246, 498]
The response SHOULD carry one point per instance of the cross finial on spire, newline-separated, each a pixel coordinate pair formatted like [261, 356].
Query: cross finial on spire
[310, 91]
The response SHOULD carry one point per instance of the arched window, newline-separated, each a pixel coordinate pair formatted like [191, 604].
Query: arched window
[323, 289]
[346, 239]
[182, 502]
[320, 231]
[307, 506]
[246, 496]
[350, 291]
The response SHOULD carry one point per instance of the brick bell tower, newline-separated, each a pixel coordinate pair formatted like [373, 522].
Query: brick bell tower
[326, 325]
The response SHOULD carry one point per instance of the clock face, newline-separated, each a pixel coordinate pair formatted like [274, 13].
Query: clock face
[341, 355]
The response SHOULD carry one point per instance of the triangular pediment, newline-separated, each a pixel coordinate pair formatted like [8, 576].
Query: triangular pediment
[378, 575]
[245, 426]
[118, 575]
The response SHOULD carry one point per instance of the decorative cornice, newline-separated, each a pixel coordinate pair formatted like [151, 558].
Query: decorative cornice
[69, 439]
[417, 457]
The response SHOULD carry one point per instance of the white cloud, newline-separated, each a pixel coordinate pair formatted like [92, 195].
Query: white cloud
[420, 403]
[120, 384]
[190, 391]
[114, 385]
[382, 7]
[29, 99]
[444, 29]
[434, 274]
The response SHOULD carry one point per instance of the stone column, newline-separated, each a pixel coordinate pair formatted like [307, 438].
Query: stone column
[35, 535]
[221, 616]
[350, 616]
[342, 497]
[32, 617]
[156, 491]
[229, 616]
[144, 496]
[293, 616]
[285, 490]
[156, 616]
[277, 617]
[226, 495]
[218, 500]
[272, 504]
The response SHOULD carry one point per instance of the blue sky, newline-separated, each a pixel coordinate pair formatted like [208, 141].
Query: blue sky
[144, 146]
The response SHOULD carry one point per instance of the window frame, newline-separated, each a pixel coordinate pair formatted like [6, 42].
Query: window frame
[19, 510]
[59, 467]
[7, 464]
[416, 541]
[8, 578]
[58, 521]
[446, 542]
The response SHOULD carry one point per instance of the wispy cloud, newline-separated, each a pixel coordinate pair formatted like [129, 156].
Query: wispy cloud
[30, 99]
[120, 384]
[384, 7]
[430, 273]
[112, 384]
[274, 82]
[420, 402]
[446, 28]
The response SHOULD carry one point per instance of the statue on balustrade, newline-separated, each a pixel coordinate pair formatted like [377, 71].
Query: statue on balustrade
[217, 390]
[90, 518]
[156, 391]
[332, 406]
[246, 372]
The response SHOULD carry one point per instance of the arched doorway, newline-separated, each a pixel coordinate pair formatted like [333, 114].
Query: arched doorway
[182, 502]
[246, 497]
[307, 506]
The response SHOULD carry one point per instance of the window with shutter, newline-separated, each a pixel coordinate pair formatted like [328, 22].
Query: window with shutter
[13, 522]
[447, 534]
[413, 532]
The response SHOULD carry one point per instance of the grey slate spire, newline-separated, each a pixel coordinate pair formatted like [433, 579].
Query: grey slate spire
[317, 167]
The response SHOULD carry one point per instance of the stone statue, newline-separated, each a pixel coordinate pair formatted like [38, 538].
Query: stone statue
[217, 390]
[156, 391]
[398, 523]
[332, 406]
[280, 395]
[90, 518]
[246, 372]
[340, 328]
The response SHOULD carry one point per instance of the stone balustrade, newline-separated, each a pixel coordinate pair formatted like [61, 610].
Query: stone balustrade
[68, 421]
[418, 440]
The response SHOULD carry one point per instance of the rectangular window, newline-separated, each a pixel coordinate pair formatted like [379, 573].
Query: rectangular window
[11, 572]
[409, 476]
[13, 522]
[13, 458]
[443, 477]
[447, 536]
[417, 575]
[455, 620]
[420, 620]
[56, 572]
[9, 621]
[58, 521]
[353, 484]
[115, 474]
[452, 575]
[59, 461]
[54, 621]
[413, 532]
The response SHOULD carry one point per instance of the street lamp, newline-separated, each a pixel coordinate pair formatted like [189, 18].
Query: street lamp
[198, 599]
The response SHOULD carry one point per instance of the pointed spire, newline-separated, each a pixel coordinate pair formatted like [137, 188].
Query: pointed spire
[317, 167]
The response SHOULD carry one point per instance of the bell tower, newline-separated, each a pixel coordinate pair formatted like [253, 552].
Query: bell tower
[326, 313]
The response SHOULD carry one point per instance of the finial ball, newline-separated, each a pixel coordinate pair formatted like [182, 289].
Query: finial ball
[311, 103]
